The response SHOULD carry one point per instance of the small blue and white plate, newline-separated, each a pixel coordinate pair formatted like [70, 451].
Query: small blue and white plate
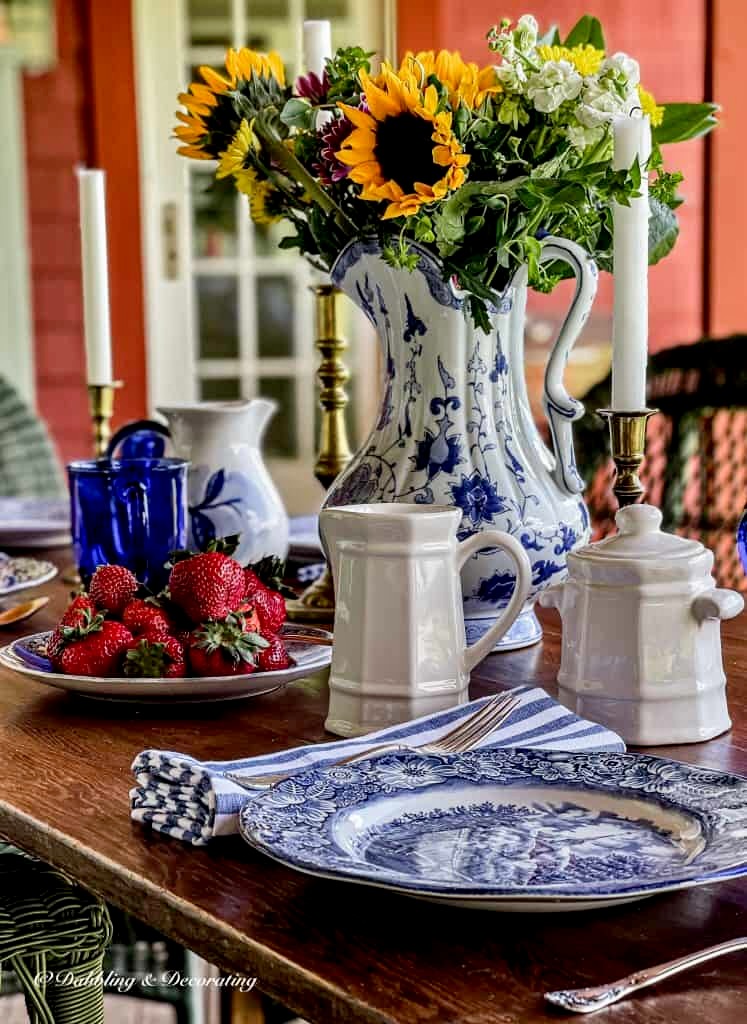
[21, 573]
[310, 651]
[34, 522]
[520, 830]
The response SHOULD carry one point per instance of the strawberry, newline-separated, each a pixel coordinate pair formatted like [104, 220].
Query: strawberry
[162, 658]
[252, 623]
[55, 647]
[74, 613]
[273, 657]
[263, 583]
[111, 587]
[207, 586]
[93, 648]
[146, 618]
[224, 648]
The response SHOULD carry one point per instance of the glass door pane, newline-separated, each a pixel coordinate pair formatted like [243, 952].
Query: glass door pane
[251, 307]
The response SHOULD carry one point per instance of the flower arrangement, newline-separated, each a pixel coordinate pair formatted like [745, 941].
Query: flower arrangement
[474, 163]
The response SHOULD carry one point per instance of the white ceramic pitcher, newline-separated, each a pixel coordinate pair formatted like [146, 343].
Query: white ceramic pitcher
[230, 490]
[400, 649]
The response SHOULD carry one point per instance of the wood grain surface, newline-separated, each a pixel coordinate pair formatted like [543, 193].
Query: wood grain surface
[334, 952]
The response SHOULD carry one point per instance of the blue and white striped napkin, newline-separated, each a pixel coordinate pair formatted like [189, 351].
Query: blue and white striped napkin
[194, 801]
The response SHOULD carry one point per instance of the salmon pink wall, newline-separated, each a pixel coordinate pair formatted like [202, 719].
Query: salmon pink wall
[727, 306]
[56, 140]
[669, 40]
[70, 114]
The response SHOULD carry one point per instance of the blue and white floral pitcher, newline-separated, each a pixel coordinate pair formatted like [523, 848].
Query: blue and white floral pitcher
[455, 426]
[229, 490]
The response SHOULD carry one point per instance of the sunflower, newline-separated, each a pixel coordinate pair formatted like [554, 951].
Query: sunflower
[264, 204]
[244, 63]
[401, 149]
[465, 82]
[211, 123]
[234, 158]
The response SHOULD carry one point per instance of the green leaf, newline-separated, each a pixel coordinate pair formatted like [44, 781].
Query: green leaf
[479, 314]
[662, 231]
[298, 114]
[225, 545]
[684, 121]
[586, 30]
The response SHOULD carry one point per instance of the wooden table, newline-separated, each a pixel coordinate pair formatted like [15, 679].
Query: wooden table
[328, 950]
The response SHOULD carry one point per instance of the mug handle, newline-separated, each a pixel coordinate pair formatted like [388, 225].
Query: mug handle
[497, 539]
[138, 521]
[158, 430]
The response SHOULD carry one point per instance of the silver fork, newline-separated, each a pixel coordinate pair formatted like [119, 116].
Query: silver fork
[586, 1000]
[466, 735]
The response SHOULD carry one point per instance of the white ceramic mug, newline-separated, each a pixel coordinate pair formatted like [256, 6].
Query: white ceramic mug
[400, 648]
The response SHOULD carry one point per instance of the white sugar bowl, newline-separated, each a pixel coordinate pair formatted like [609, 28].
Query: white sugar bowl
[641, 646]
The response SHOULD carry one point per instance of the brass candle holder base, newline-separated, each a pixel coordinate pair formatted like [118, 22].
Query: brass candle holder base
[628, 442]
[101, 403]
[316, 606]
[317, 603]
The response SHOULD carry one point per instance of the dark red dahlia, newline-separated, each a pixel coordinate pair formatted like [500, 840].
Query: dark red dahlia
[313, 88]
[328, 168]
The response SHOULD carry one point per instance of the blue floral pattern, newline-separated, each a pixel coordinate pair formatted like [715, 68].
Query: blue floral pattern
[482, 831]
[219, 511]
[478, 499]
[452, 428]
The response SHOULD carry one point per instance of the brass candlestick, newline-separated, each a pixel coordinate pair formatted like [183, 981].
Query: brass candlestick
[317, 603]
[101, 403]
[628, 442]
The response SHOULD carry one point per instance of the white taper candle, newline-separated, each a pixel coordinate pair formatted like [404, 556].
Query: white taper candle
[91, 192]
[632, 139]
[317, 45]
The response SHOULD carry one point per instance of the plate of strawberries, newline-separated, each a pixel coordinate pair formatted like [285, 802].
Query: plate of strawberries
[217, 632]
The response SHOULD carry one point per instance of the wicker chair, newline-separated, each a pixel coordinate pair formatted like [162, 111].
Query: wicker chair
[695, 469]
[52, 935]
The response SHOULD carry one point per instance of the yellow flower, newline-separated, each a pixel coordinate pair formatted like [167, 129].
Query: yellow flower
[259, 204]
[210, 125]
[401, 151]
[649, 106]
[586, 59]
[244, 63]
[233, 159]
[260, 193]
[465, 82]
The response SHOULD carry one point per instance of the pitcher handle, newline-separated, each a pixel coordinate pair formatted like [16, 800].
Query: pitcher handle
[497, 539]
[561, 409]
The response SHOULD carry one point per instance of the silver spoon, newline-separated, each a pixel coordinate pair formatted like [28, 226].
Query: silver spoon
[18, 612]
[586, 1000]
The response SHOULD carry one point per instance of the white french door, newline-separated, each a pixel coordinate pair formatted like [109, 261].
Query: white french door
[229, 314]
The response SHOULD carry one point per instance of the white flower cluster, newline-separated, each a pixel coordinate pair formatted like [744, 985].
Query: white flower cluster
[581, 105]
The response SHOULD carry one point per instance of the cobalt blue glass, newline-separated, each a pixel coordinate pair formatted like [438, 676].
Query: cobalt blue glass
[129, 512]
[742, 540]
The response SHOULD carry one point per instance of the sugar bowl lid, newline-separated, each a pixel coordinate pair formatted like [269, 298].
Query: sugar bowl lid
[641, 550]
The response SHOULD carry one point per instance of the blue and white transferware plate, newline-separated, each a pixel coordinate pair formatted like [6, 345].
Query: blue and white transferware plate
[34, 522]
[21, 573]
[522, 830]
[309, 648]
